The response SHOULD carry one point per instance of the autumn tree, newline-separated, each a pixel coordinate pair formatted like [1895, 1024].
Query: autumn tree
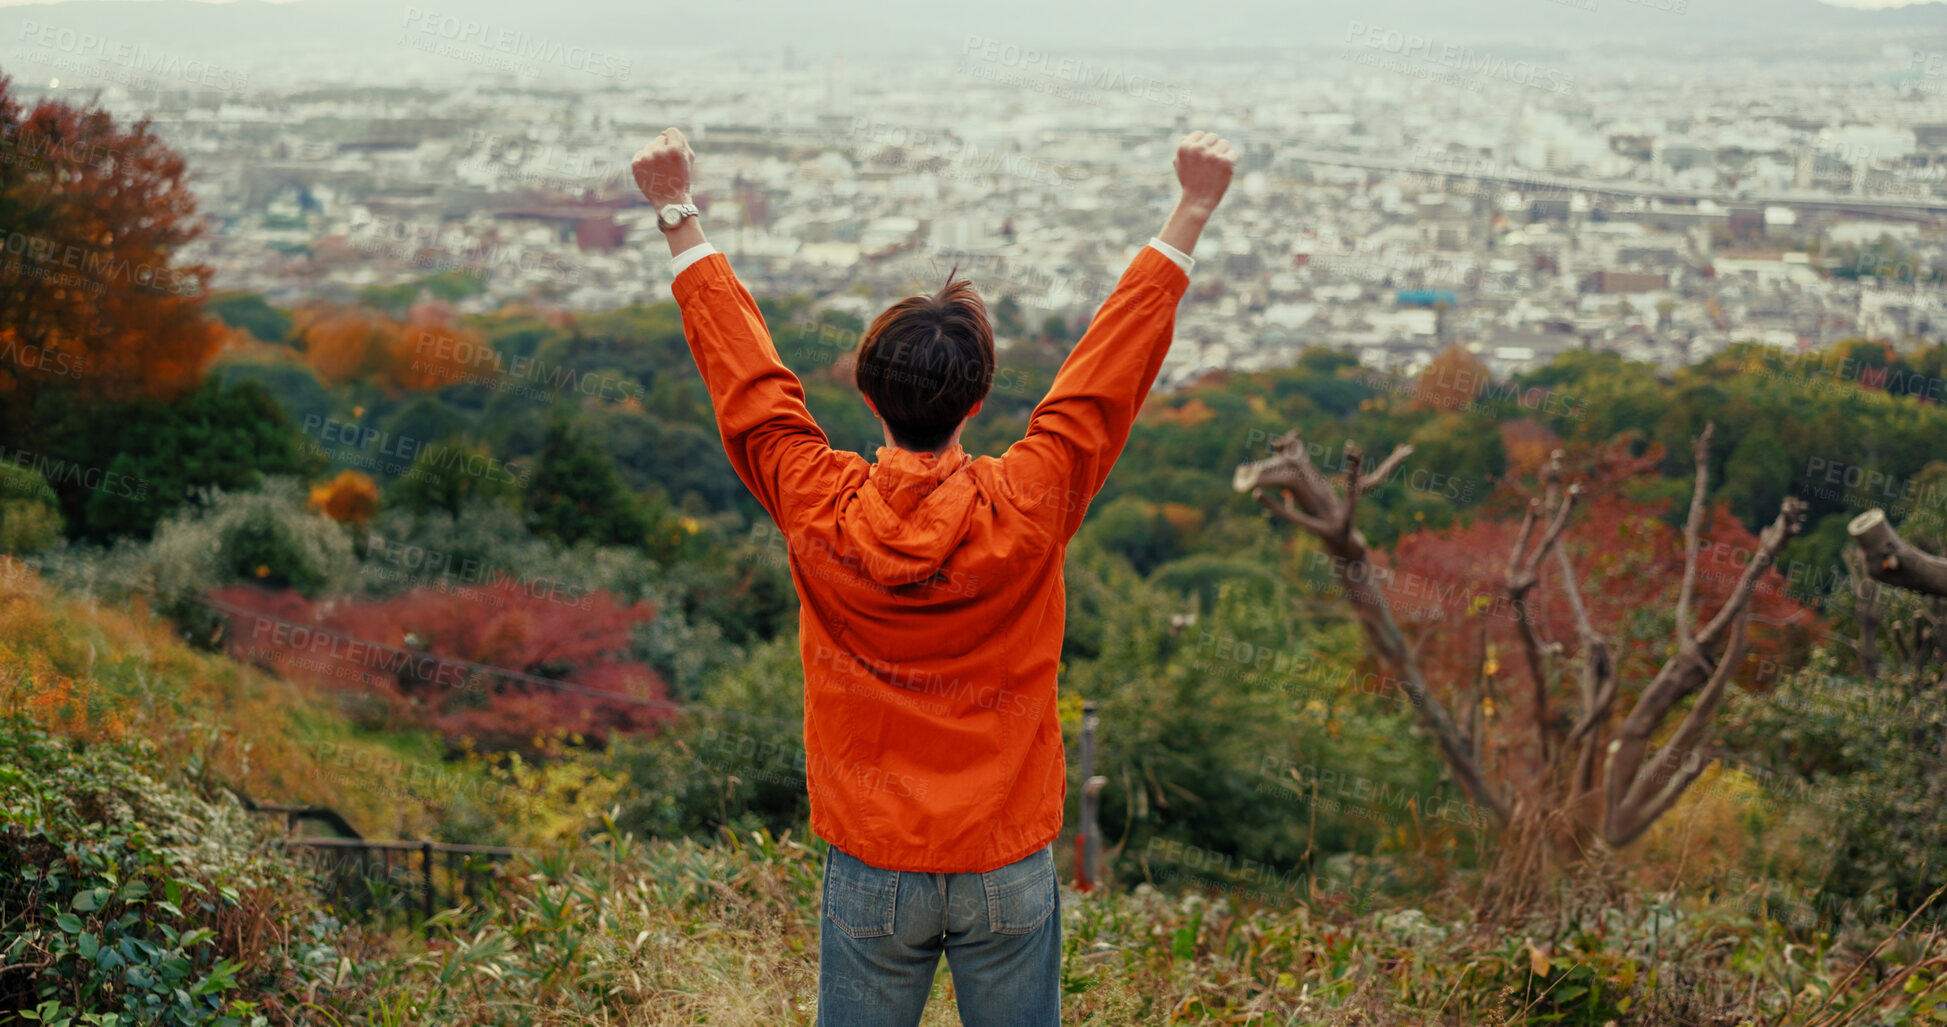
[428, 350]
[96, 304]
[1590, 766]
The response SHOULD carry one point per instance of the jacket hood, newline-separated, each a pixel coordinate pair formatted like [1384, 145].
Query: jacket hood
[913, 512]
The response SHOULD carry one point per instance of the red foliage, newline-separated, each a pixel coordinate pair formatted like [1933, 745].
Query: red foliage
[94, 217]
[506, 664]
[1449, 586]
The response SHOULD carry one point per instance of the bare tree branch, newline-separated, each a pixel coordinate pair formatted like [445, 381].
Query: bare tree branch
[1353, 460]
[1326, 513]
[1687, 596]
[1378, 475]
[1691, 668]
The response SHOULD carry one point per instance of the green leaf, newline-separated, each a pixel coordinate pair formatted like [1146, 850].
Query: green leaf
[1183, 945]
[68, 922]
[200, 934]
[88, 945]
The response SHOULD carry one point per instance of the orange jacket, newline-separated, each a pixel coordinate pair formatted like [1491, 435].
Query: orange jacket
[931, 587]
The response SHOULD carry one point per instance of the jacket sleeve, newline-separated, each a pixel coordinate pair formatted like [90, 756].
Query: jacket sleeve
[778, 451]
[1078, 430]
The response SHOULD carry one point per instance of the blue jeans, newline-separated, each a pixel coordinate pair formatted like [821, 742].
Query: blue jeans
[884, 930]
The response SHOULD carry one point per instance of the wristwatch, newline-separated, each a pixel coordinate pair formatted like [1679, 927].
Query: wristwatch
[675, 214]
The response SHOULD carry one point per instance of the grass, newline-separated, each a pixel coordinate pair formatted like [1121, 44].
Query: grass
[599, 927]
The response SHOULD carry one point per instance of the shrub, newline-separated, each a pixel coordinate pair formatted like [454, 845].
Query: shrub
[30, 513]
[139, 902]
[495, 663]
[126, 466]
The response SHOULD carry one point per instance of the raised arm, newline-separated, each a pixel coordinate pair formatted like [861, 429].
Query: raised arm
[775, 447]
[1078, 430]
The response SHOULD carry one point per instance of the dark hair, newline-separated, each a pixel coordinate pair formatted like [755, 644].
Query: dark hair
[926, 361]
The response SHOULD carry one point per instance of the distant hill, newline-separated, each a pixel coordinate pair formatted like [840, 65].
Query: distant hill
[366, 40]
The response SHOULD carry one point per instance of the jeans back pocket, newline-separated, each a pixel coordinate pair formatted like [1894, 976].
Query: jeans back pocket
[859, 898]
[1022, 894]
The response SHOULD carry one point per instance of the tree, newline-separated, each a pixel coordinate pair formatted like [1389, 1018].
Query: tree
[428, 350]
[95, 304]
[439, 479]
[577, 495]
[1616, 790]
[350, 498]
[119, 467]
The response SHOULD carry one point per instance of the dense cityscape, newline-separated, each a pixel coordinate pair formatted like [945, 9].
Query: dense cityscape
[1397, 194]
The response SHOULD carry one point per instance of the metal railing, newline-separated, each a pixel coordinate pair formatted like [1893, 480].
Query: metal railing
[367, 874]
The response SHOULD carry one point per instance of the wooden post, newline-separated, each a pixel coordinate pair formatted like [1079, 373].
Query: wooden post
[426, 868]
[1090, 870]
[1893, 560]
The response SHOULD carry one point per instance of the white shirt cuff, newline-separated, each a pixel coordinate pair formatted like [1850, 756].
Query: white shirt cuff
[690, 256]
[1183, 260]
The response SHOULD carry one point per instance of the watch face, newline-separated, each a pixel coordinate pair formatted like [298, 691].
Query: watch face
[672, 214]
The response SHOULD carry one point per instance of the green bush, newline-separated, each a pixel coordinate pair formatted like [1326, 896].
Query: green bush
[1867, 753]
[267, 536]
[126, 466]
[127, 893]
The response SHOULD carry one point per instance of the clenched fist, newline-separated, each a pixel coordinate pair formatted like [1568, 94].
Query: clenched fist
[662, 169]
[1204, 163]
